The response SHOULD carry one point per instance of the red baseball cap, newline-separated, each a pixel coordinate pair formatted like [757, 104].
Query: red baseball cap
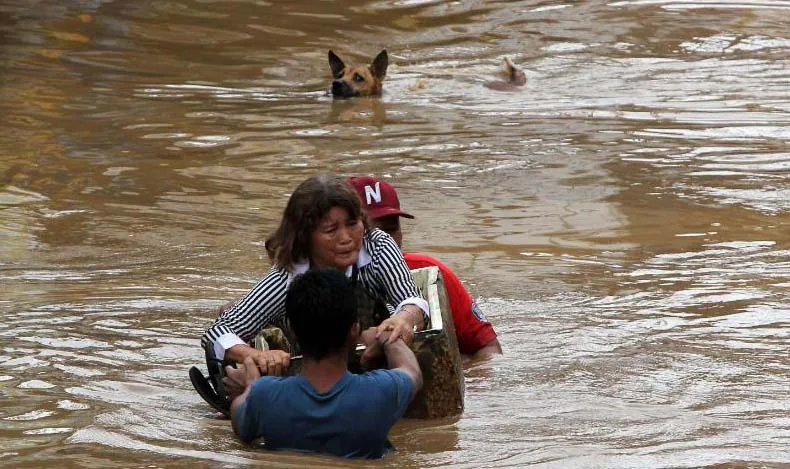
[378, 197]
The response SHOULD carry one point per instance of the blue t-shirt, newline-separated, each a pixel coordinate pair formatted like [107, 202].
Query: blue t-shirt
[350, 420]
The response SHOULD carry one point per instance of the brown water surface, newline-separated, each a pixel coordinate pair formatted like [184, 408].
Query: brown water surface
[623, 217]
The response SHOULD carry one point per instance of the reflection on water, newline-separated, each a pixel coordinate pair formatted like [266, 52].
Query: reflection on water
[622, 217]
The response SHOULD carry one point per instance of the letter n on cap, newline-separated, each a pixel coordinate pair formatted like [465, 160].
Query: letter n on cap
[372, 194]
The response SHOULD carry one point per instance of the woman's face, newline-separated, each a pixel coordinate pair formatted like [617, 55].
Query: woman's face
[337, 240]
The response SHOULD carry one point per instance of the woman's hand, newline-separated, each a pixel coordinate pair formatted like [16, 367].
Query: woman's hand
[268, 362]
[399, 326]
[258, 363]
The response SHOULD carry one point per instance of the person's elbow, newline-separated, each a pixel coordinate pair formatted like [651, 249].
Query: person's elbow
[244, 437]
[488, 350]
[415, 374]
[237, 417]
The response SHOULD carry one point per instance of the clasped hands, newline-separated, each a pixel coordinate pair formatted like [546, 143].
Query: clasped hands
[275, 362]
[399, 326]
[256, 364]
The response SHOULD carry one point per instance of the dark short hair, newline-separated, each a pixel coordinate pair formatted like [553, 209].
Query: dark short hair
[321, 308]
[308, 205]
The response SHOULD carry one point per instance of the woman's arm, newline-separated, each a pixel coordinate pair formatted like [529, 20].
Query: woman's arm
[235, 327]
[393, 275]
[395, 279]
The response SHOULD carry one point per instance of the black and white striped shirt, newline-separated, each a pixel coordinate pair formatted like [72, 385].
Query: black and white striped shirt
[381, 269]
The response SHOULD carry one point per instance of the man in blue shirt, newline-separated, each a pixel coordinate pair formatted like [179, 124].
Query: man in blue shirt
[326, 409]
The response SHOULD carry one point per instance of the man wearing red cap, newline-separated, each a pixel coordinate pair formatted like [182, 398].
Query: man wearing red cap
[475, 334]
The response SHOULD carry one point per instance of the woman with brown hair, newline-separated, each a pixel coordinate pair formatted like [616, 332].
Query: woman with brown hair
[323, 225]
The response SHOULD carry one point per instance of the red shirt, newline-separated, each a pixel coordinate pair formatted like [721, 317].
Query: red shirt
[471, 326]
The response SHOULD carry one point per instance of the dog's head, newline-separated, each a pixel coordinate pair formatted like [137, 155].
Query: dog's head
[360, 80]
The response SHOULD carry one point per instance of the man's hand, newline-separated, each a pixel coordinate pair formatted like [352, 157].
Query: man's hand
[373, 348]
[244, 376]
[235, 381]
[265, 362]
[257, 364]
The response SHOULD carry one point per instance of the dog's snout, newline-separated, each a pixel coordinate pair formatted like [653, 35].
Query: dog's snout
[341, 89]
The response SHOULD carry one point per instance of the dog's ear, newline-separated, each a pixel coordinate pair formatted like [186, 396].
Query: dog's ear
[514, 74]
[336, 65]
[379, 65]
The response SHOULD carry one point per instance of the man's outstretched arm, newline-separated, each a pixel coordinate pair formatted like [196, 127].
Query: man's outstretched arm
[399, 355]
[251, 374]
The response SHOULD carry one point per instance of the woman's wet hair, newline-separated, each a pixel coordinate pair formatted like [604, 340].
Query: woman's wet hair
[321, 307]
[308, 205]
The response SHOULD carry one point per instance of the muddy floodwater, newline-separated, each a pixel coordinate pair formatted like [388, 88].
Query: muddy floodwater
[623, 217]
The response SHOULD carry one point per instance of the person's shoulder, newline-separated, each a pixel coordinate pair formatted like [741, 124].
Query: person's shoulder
[382, 378]
[416, 260]
[424, 259]
[378, 373]
[375, 236]
[389, 391]
[277, 274]
[455, 288]
[378, 243]
[273, 384]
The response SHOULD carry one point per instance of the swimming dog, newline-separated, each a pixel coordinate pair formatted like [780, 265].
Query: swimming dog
[358, 80]
[514, 77]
